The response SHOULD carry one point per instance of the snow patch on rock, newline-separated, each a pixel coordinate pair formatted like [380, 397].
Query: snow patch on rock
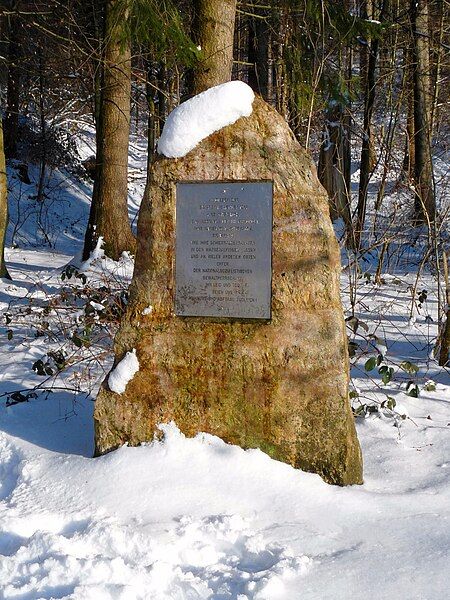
[124, 372]
[197, 118]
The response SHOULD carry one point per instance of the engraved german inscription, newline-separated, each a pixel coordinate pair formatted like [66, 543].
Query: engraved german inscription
[224, 250]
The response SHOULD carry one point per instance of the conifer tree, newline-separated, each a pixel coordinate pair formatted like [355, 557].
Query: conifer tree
[3, 206]
[370, 85]
[425, 206]
[108, 217]
[213, 31]
[14, 45]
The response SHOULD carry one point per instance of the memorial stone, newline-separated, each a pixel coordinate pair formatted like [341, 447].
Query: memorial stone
[244, 339]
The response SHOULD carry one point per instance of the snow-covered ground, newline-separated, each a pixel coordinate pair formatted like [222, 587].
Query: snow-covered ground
[184, 519]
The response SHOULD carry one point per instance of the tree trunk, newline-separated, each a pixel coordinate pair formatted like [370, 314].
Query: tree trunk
[213, 31]
[367, 166]
[151, 111]
[283, 38]
[43, 132]
[425, 206]
[333, 170]
[409, 160]
[98, 68]
[13, 90]
[3, 206]
[438, 46]
[259, 57]
[445, 336]
[367, 12]
[109, 209]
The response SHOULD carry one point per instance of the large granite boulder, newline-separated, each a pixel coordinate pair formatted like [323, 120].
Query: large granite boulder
[279, 385]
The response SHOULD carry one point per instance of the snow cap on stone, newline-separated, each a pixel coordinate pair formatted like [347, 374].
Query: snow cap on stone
[124, 372]
[197, 118]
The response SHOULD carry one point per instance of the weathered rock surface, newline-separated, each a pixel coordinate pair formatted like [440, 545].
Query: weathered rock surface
[281, 385]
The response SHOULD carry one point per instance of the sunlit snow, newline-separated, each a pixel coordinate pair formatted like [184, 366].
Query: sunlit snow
[123, 373]
[194, 518]
[194, 120]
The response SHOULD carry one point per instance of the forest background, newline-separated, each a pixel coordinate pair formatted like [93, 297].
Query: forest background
[364, 87]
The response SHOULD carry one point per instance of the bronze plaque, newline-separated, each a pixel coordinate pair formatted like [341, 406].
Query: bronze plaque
[224, 250]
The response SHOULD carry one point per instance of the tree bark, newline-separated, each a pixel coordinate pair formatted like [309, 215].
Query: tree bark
[43, 132]
[425, 206]
[283, 38]
[259, 56]
[367, 166]
[445, 336]
[334, 166]
[151, 108]
[109, 209]
[213, 31]
[409, 160]
[11, 126]
[438, 45]
[3, 206]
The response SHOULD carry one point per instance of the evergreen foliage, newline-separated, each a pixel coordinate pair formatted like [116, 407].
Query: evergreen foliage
[158, 25]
